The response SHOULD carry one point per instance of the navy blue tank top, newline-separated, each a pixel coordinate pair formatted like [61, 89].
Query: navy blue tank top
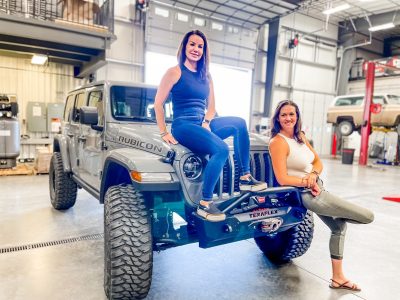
[189, 94]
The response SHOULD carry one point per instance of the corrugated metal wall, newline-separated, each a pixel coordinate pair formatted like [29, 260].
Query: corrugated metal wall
[388, 85]
[307, 74]
[125, 58]
[49, 84]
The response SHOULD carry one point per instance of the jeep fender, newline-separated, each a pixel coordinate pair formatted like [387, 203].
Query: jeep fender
[344, 118]
[119, 164]
[60, 144]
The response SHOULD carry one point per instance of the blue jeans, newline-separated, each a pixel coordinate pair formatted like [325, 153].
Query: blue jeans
[187, 130]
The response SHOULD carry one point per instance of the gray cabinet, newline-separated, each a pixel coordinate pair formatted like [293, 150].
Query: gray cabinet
[36, 117]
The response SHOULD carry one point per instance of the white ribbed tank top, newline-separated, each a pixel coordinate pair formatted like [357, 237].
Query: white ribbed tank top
[300, 158]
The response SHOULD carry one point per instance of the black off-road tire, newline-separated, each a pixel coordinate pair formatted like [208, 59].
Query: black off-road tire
[288, 244]
[63, 189]
[128, 244]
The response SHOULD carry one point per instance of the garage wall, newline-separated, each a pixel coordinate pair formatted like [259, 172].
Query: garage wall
[307, 74]
[125, 58]
[388, 85]
[49, 83]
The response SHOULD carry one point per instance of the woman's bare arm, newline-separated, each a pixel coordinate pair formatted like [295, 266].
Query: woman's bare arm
[211, 102]
[166, 84]
[317, 163]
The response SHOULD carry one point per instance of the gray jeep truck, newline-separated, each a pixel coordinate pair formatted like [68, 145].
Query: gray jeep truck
[110, 146]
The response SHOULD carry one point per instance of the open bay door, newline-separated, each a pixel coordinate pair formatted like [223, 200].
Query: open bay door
[232, 49]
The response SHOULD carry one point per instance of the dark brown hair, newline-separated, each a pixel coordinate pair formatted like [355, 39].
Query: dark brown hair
[203, 63]
[276, 126]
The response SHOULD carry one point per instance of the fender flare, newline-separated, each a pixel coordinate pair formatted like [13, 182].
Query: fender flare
[60, 144]
[120, 162]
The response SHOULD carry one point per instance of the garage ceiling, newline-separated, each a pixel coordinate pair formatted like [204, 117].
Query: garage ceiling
[254, 13]
[358, 8]
[361, 14]
[246, 13]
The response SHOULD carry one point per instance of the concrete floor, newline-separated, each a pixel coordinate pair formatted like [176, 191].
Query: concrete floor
[74, 269]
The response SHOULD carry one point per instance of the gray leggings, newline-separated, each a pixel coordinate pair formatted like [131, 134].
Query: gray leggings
[335, 213]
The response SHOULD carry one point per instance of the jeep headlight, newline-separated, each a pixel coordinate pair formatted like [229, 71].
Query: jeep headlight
[192, 167]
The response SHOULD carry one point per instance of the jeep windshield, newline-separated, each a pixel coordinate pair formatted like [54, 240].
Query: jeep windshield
[136, 104]
[393, 99]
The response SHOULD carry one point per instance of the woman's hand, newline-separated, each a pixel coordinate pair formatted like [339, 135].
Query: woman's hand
[206, 126]
[315, 190]
[169, 139]
[311, 180]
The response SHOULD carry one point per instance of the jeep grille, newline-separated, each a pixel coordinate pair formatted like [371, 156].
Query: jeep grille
[228, 183]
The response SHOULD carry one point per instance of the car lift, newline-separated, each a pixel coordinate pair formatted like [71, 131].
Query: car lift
[384, 161]
[368, 108]
[366, 126]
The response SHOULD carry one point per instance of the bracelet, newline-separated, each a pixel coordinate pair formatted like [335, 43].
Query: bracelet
[162, 134]
[315, 172]
[206, 121]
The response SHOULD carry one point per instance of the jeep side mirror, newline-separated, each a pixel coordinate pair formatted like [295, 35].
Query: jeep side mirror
[88, 115]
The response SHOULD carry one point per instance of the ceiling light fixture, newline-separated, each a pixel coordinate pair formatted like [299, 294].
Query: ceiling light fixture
[382, 26]
[38, 59]
[336, 9]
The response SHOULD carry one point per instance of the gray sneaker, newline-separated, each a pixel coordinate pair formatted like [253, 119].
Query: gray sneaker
[252, 185]
[210, 212]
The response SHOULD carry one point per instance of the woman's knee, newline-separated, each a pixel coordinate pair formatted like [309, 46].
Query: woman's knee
[369, 216]
[236, 122]
[240, 123]
[223, 150]
[340, 228]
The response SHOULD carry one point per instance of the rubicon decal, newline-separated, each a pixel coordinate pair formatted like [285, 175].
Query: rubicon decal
[140, 144]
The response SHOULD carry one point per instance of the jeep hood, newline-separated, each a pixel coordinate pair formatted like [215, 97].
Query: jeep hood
[147, 138]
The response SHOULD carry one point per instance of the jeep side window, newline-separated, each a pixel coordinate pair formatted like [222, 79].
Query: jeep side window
[343, 102]
[393, 99]
[80, 101]
[96, 100]
[349, 101]
[378, 100]
[358, 101]
[69, 104]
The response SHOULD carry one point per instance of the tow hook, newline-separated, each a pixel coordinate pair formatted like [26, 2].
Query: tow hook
[271, 225]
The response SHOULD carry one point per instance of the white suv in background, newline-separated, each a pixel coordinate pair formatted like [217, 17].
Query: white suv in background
[346, 112]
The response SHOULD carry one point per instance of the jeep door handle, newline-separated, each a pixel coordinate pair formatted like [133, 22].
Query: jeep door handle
[70, 135]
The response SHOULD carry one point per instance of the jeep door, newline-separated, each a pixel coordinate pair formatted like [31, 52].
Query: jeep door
[377, 118]
[91, 143]
[390, 110]
[74, 132]
[70, 129]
